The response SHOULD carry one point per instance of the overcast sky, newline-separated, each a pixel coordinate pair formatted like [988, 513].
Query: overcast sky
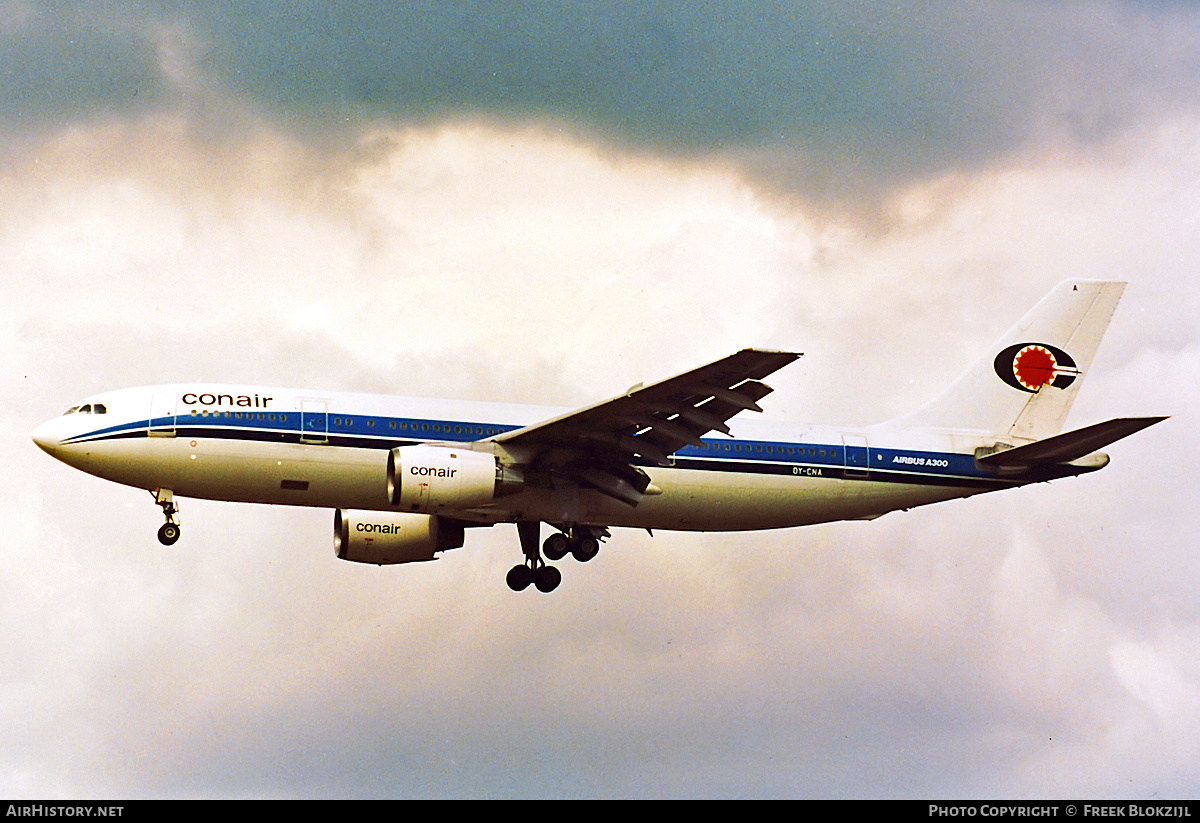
[546, 203]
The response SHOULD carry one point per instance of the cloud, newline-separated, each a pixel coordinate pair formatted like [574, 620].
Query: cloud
[61, 61]
[833, 101]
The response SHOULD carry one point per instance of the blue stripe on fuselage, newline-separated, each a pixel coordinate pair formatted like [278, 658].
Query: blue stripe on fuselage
[716, 454]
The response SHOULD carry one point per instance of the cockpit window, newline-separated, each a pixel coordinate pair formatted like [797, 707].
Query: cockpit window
[99, 408]
[87, 408]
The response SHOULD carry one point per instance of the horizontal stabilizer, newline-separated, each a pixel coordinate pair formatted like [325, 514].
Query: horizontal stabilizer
[1063, 448]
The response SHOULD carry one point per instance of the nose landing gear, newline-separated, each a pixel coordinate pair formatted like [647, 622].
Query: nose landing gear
[168, 533]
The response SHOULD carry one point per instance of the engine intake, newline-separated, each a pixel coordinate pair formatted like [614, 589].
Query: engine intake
[392, 537]
[428, 478]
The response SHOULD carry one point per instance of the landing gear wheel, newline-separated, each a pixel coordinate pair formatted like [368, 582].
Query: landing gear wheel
[168, 534]
[585, 548]
[519, 577]
[556, 546]
[547, 579]
[534, 570]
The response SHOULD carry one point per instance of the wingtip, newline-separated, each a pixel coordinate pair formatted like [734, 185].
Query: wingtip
[1147, 422]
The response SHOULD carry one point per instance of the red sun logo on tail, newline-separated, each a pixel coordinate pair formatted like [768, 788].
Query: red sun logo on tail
[1029, 366]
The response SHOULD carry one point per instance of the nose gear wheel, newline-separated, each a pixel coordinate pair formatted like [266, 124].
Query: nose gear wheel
[168, 533]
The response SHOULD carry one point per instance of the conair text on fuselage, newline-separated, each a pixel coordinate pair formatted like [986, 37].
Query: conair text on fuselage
[245, 401]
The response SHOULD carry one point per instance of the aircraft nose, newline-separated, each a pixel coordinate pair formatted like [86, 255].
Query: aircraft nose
[46, 438]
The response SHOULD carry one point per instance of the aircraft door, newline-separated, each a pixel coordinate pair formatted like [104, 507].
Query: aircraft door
[314, 422]
[857, 455]
[162, 415]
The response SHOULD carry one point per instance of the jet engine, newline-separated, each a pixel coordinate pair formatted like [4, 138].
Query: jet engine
[392, 537]
[428, 478]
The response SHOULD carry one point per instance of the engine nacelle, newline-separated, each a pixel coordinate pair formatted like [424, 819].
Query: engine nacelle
[428, 478]
[392, 537]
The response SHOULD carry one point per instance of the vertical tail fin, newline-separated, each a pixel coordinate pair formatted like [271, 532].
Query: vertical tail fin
[1025, 385]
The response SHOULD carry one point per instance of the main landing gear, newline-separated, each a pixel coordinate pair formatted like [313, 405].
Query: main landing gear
[580, 543]
[168, 533]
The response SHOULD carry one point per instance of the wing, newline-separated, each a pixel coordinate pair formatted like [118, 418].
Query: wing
[602, 445]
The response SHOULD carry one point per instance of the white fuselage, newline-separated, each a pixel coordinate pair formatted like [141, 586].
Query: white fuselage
[330, 450]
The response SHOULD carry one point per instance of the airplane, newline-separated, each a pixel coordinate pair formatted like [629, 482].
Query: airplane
[407, 477]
